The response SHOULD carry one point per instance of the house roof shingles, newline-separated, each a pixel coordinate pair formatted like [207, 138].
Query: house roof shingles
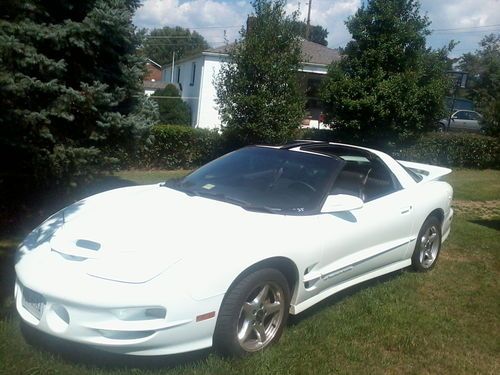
[312, 53]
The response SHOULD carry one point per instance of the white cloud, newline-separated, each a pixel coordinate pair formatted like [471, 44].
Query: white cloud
[210, 15]
[472, 16]
[215, 20]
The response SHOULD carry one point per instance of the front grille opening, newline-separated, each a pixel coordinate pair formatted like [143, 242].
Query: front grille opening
[125, 335]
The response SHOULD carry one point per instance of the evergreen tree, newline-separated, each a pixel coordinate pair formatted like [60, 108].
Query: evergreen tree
[257, 90]
[388, 85]
[160, 44]
[70, 88]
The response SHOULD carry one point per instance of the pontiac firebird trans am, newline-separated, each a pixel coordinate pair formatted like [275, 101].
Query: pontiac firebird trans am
[222, 256]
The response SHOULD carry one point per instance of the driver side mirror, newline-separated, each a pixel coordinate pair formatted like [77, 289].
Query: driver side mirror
[341, 203]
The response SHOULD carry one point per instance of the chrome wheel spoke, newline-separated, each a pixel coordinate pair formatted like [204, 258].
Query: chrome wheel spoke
[261, 297]
[272, 308]
[261, 316]
[247, 310]
[261, 333]
[245, 331]
[432, 237]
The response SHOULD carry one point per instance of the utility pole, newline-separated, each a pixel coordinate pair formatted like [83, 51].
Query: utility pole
[460, 81]
[173, 66]
[308, 25]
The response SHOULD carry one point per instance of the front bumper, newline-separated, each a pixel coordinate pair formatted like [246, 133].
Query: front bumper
[154, 318]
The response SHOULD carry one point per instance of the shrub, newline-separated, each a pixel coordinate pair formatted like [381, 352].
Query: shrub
[175, 146]
[447, 149]
[173, 110]
[454, 150]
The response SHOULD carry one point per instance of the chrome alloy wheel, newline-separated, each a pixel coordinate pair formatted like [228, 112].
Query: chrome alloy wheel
[261, 316]
[429, 246]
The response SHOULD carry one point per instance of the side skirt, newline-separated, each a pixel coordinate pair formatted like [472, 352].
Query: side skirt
[296, 309]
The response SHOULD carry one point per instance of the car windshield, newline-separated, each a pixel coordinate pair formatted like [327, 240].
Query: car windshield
[265, 179]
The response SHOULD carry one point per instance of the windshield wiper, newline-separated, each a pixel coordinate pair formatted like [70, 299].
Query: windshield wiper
[228, 199]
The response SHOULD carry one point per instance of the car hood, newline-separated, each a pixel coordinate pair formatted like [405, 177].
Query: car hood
[134, 234]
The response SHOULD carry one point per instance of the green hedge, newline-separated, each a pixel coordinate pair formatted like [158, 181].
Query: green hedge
[454, 150]
[176, 146]
[446, 149]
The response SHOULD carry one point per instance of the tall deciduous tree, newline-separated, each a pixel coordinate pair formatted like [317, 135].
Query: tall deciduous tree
[70, 88]
[317, 34]
[160, 44]
[483, 68]
[388, 86]
[257, 90]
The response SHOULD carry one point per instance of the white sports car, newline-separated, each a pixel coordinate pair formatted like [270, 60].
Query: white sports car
[222, 256]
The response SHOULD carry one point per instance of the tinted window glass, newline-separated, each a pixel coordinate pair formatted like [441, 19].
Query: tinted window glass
[266, 178]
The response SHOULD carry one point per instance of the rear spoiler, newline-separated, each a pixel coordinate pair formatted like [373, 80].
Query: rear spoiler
[427, 171]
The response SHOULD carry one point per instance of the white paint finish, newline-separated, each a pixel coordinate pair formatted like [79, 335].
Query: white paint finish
[162, 248]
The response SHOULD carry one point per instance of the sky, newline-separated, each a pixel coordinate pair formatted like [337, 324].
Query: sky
[465, 21]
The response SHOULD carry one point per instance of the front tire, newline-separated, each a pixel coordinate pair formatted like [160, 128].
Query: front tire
[253, 313]
[428, 245]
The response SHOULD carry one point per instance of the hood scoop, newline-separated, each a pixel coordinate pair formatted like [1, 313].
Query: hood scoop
[87, 244]
[75, 249]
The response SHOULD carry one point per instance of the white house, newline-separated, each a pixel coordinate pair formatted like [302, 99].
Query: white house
[194, 76]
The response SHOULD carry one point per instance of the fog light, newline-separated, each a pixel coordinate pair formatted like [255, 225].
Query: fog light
[57, 318]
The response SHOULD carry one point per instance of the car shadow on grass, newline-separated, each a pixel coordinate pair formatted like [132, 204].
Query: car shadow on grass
[491, 223]
[342, 295]
[87, 356]
[7, 278]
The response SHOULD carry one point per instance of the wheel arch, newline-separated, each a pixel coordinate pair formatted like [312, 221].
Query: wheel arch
[438, 213]
[282, 264]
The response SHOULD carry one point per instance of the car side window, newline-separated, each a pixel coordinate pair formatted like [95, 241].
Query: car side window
[461, 115]
[367, 180]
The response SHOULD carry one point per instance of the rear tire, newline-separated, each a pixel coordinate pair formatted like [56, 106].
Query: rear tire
[253, 313]
[428, 245]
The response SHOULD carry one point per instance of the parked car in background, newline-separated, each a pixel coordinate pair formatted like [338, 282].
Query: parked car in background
[462, 120]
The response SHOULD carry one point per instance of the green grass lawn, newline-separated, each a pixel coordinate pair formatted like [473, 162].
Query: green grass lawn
[442, 322]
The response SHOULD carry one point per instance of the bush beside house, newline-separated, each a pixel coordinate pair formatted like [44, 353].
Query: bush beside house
[454, 150]
[175, 146]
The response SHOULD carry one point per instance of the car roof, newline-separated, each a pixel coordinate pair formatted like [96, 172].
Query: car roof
[311, 146]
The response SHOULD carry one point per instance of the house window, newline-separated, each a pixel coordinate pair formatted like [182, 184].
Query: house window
[193, 74]
[179, 74]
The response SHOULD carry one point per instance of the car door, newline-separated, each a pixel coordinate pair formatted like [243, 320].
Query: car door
[460, 121]
[364, 240]
[472, 122]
